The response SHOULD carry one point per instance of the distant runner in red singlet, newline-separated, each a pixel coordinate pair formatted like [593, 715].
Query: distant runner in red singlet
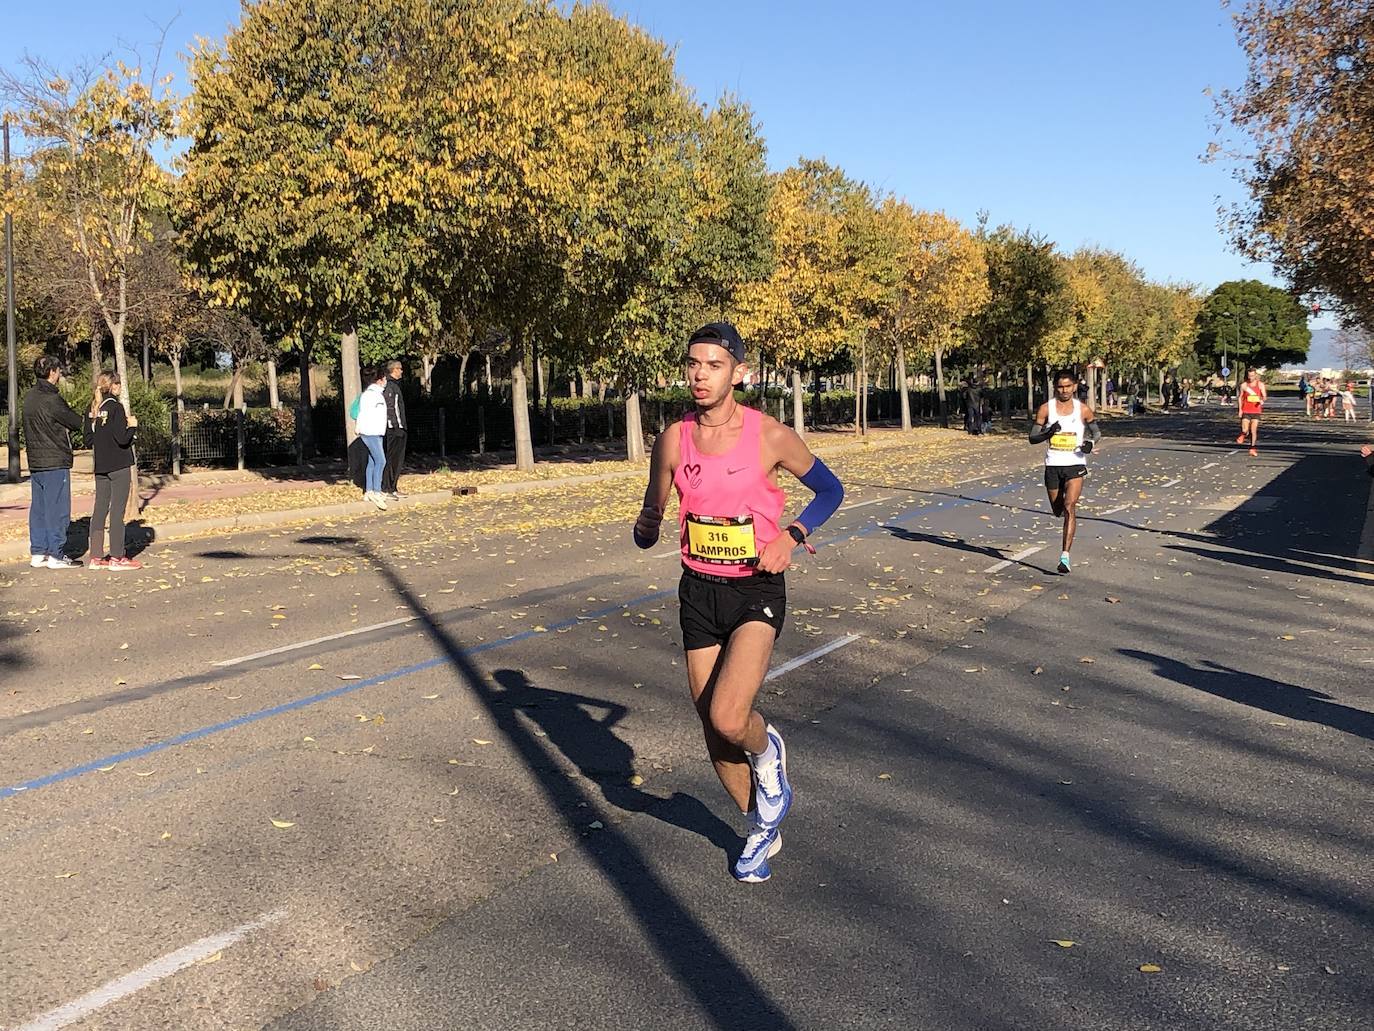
[723, 460]
[1252, 397]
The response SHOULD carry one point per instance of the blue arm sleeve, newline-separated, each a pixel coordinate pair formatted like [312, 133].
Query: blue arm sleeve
[829, 493]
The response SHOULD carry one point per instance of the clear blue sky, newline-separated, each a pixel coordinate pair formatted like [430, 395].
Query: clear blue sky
[1080, 119]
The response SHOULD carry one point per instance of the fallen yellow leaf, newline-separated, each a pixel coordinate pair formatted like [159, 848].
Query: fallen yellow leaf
[1149, 968]
[281, 825]
[480, 741]
[1064, 943]
[314, 665]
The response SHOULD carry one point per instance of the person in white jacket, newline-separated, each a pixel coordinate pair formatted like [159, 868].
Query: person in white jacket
[371, 427]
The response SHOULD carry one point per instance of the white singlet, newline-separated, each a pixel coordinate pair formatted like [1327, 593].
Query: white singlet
[1066, 444]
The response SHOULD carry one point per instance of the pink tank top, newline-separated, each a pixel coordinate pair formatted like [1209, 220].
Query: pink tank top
[728, 507]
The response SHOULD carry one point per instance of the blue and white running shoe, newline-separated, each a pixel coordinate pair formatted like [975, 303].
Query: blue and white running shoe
[1063, 561]
[772, 790]
[762, 844]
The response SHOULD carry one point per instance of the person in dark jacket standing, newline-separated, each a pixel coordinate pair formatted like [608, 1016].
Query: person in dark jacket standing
[395, 441]
[48, 424]
[112, 438]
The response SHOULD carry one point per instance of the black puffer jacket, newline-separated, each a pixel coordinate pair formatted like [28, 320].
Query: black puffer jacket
[48, 424]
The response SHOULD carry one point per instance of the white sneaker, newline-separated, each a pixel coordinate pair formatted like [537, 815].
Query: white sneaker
[38, 561]
[61, 562]
[378, 500]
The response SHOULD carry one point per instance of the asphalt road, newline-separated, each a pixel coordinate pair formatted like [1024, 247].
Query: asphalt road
[488, 806]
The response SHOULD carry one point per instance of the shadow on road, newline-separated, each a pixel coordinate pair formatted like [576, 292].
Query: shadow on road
[725, 992]
[1274, 696]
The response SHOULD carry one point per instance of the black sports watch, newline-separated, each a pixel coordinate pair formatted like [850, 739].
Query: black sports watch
[796, 532]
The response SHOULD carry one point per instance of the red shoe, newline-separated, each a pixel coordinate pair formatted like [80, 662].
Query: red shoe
[1254, 453]
[100, 563]
[120, 564]
[1240, 439]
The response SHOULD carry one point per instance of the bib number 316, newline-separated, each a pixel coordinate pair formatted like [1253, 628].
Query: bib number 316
[721, 540]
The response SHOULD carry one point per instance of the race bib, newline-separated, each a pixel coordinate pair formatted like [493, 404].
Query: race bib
[1064, 442]
[721, 540]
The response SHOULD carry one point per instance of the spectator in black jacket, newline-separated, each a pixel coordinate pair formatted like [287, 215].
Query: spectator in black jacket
[394, 443]
[1368, 453]
[112, 438]
[48, 423]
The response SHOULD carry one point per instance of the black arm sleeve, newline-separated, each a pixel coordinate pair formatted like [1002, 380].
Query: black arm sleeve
[120, 430]
[1039, 432]
[1369, 465]
[66, 417]
[1092, 431]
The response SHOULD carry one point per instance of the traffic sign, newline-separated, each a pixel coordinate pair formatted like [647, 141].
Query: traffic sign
[1225, 372]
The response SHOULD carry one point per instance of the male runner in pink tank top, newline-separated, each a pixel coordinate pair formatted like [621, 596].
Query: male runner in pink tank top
[723, 459]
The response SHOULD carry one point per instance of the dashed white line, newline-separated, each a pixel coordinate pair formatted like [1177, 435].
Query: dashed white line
[811, 656]
[1171, 483]
[149, 973]
[1113, 511]
[1234, 451]
[864, 504]
[1015, 558]
[314, 641]
[1210, 464]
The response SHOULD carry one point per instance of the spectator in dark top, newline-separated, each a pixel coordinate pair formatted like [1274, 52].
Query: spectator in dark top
[112, 438]
[973, 406]
[1368, 453]
[48, 424]
[395, 441]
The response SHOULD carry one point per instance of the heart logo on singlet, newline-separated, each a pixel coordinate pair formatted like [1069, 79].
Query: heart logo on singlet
[693, 471]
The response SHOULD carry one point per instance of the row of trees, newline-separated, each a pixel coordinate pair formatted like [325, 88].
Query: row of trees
[449, 175]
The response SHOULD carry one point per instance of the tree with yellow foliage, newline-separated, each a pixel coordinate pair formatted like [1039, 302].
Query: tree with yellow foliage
[826, 285]
[940, 282]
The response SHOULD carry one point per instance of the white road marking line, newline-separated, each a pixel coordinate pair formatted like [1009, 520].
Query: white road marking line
[314, 641]
[1171, 483]
[1210, 464]
[864, 504]
[1015, 558]
[1230, 453]
[150, 973]
[802, 660]
[1113, 511]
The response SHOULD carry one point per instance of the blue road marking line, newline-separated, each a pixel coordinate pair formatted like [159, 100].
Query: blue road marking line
[301, 703]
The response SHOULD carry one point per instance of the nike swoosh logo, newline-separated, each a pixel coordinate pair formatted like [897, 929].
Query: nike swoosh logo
[731, 472]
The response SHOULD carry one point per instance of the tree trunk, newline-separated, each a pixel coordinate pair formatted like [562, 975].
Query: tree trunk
[940, 386]
[273, 398]
[147, 367]
[1030, 393]
[309, 389]
[538, 375]
[863, 385]
[462, 375]
[305, 402]
[586, 384]
[427, 372]
[798, 408]
[858, 405]
[96, 357]
[488, 357]
[176, 380]
[520, 406]
[1004, 389]
[352, 378]
[233, 388]
[238, 389]
[634, 428]
[601, 392]
[902, 385]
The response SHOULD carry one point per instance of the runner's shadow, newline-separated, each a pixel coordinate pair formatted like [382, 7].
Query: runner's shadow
[1275, 696]
[591, 745]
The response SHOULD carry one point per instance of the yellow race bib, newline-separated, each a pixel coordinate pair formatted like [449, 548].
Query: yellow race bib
[1064, 442]
[721, 540]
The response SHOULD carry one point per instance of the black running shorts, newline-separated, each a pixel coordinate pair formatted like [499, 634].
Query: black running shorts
[712, 608]
[1056, 476]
